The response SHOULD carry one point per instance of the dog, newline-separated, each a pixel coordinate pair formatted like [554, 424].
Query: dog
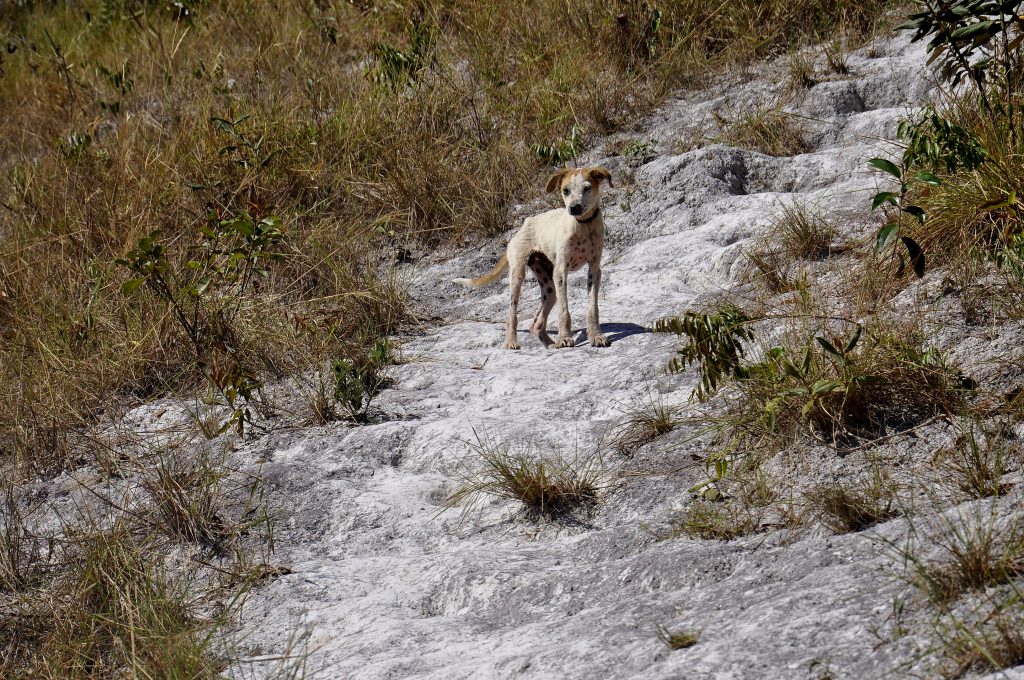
[553, 244]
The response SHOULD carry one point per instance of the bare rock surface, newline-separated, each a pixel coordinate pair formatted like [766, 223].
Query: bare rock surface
[389, 583]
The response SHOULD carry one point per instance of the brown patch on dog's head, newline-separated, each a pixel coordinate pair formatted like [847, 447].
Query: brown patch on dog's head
[555, 180]
[599, 174]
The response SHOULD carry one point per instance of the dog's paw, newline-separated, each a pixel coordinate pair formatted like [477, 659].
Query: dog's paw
[565, 342]
[599, 341]
[512, 344]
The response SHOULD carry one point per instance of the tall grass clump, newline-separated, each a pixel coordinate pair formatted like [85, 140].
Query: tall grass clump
[546, 485]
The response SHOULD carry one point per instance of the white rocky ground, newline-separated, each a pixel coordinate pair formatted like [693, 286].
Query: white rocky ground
[389, 584]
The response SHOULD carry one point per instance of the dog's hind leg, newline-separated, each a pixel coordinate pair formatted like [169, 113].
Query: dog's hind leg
[516, 275]
[545, 273]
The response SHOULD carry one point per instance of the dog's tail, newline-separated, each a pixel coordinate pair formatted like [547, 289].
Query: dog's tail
[486, 278]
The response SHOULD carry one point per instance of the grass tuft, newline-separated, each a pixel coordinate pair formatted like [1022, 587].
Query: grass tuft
[975, 553]
[549, 486]
[645, 420]
[766, 129]
[845, 509]
[679, 639]
[977, 462]
[187, 495]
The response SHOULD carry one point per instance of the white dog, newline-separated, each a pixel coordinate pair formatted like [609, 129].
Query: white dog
[553, 244]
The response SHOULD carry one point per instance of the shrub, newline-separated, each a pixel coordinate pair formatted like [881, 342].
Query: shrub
[844, 387]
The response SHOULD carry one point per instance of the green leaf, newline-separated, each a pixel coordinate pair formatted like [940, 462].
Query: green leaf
[886, 166]
[828, 347]
[826, 387]
[885, 234]
[883, 197]
[131, 286]
[916, 255]
[928, 178]
[968, 32]
[854, 339]
[916, 211]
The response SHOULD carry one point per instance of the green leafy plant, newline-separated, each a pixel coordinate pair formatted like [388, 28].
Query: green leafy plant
[846, 387]
[397, 68]
[976, 40]
[893, 231]
[245, 150]
[935, 142]
[714, 343]
[561, 151]
[206, 293]
[358, 380]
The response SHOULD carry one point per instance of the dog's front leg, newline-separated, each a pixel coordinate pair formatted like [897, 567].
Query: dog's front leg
[593, 319]
[565, 338]
[516, 275]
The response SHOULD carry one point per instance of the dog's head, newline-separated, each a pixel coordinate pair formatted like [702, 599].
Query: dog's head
[580, 188]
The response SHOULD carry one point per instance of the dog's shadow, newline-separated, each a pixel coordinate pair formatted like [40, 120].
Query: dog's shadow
[616, 331]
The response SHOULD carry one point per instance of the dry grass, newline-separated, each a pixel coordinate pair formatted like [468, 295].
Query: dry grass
[679, 639]
[796, 232]
[802, 231]
[645, 420]
[115, 610]
[847, 508]
[800, 71]
[989, 639]
[186, 495]
[975, 551]
[977, 462]
[550, 486]
[766, 129]
[132, 595]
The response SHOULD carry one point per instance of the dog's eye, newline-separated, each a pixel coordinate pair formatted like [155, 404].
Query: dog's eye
[565, 192]
[585, 189]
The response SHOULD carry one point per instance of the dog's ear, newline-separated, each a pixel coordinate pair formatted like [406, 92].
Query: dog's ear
[556, 179]
[601, 175]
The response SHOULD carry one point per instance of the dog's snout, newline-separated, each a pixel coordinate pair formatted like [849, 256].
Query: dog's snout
[575, 209]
